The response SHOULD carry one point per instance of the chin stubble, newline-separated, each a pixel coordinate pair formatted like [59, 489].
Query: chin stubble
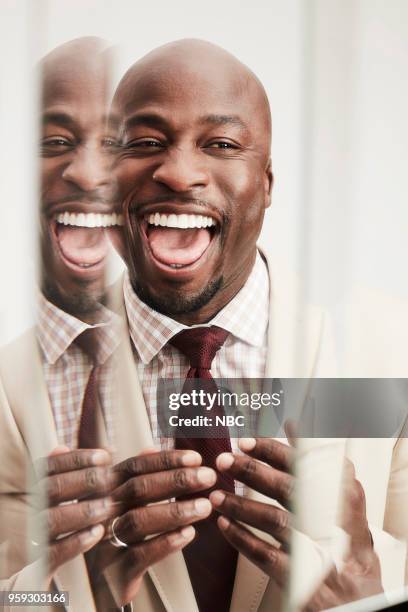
[80, 303]
[177, 303]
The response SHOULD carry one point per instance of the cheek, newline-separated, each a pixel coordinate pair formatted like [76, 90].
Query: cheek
[51, 174]
[244, 190]
[129, 175]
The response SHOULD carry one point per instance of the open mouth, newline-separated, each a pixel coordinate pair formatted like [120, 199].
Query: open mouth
[179, 241]
[82, 238]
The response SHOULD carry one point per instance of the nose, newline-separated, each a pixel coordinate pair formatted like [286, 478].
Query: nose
[89, 169]
[182, 171]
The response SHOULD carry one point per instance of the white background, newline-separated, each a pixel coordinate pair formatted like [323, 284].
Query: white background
[336, 74]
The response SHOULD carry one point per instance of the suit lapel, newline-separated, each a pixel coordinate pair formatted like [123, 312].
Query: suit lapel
[286, 328]
[35, 420]
[133, 434]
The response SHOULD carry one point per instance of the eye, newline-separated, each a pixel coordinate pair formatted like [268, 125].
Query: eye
[55, 145]
[110, 143]
[144, 143]
[142, 147]
[222, 145]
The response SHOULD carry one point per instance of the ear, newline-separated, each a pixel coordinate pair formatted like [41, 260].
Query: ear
[268, 183]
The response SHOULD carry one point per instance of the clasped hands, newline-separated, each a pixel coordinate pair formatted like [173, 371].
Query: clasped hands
[134, 490]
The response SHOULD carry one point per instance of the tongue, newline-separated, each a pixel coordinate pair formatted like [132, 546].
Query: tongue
[178, 246]
[83, 245]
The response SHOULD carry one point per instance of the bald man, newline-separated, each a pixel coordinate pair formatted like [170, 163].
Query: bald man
[194, 178]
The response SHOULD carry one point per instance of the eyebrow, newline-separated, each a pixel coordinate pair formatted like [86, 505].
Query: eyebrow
[112, 121]
[224, 120]
[156, 121]
[58, 118]
[148, 119]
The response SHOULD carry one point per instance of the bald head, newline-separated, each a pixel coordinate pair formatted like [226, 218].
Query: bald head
[196, 65]
[78, 64]
[194, 176]
[75, 173]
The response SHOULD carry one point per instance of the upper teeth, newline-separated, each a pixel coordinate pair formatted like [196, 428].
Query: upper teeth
[89, 219]
[183, 221]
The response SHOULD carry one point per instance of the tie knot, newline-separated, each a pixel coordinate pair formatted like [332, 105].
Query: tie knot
[200, 345]
[89, 342]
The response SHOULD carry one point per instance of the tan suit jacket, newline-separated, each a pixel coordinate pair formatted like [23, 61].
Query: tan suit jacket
[299, 346]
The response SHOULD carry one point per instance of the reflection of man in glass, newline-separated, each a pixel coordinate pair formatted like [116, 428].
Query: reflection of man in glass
[76, 187]
[55, 364]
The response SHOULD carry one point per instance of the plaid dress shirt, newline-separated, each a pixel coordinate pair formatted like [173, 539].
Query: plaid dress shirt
[67, 367]
[242, 356]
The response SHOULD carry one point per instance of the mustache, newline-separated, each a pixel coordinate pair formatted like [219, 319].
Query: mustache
[132, 204]
[83, 199]
[107, 201]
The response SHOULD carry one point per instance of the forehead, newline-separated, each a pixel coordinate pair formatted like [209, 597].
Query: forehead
[186, 96]
[82, 90]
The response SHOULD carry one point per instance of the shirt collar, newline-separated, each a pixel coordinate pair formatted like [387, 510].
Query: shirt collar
[57, 330]
[245, 316]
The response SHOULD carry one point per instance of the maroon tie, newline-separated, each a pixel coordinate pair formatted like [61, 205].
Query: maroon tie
[210, 560]
[88, 427]
[88, 437]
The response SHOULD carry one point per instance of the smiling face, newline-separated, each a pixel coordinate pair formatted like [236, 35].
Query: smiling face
[77, 194]
[193, 175]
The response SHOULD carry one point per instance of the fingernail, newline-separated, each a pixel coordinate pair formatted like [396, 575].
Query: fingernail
[206, 476]
[101, 507]
[191, 459]
[247, 444]
[217, 498]
[97, 530]
[223, 523]
[188, 532]
[224, 461]
[91, 534]
[100, 457]
[202, 506]
[108, 503]
[184, 535]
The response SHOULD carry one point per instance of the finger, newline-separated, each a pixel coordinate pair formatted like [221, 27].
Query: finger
[137, 559]
[291, 431]
[148, 451]
[59, 450]
[272, 452]
[349, 469]
[74, 517]
[136, 524]
[271, 560]
[71, 546]
[150, 462]
[92, 481]
[263, 478]
[73, 460]
[323, 599]
[160, 486]
[265, 517]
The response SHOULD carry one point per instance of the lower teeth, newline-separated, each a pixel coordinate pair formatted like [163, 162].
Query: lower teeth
[83, 265]
[176, 266]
